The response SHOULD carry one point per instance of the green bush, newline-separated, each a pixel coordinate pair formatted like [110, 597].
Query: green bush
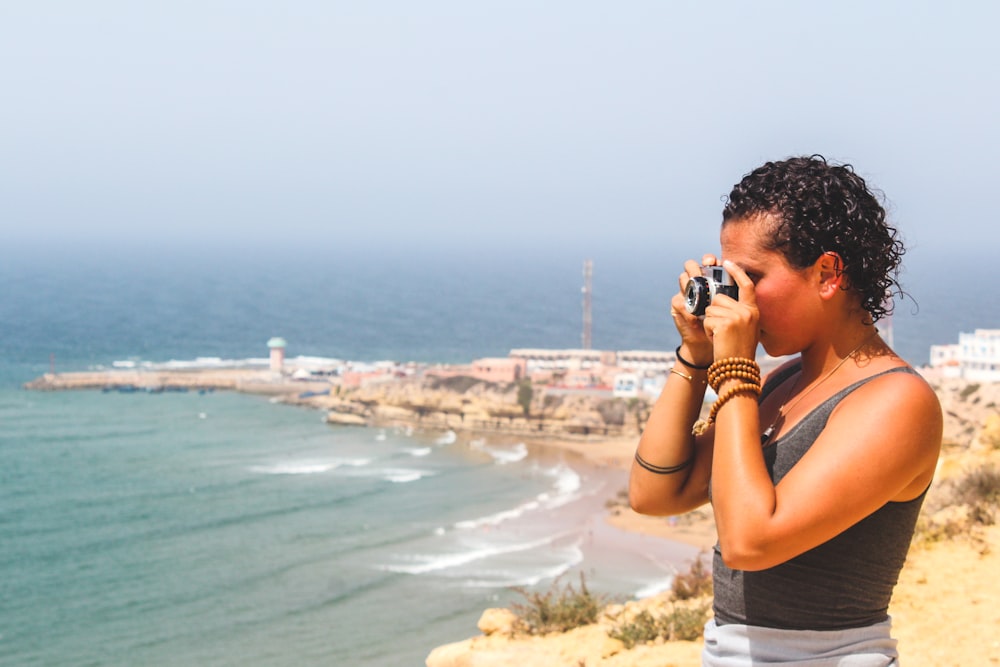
[557, 609]
[680, 623]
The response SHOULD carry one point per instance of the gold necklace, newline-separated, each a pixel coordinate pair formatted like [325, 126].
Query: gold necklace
[769, 431]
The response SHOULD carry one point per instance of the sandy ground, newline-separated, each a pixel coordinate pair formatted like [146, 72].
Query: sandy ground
[946, 607]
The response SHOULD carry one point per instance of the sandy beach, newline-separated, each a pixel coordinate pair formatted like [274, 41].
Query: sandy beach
[696, 529]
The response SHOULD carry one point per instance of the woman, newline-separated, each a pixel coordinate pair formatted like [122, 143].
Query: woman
[817, 474]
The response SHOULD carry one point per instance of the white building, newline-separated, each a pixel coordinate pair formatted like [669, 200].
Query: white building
[976, 357]
[626, 385]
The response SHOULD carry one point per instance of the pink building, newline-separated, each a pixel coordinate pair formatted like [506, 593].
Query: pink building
[498, 369]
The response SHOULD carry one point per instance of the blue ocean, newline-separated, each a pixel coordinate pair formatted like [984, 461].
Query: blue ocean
[224, 529]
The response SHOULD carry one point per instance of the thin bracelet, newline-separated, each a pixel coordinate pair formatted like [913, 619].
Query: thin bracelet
[663, 470]
[677, 353]
[689, 378]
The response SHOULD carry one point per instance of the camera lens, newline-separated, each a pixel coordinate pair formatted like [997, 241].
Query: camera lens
[697, 296]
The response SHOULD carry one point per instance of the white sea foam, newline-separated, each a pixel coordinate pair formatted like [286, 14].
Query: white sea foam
[190, 364]
[654, 587]
[446, 439]
[566, 487]
[402, 475]
[499, 517]
[418, 451]
[307, 467]
[395, 475]
[502, 455]
[508, 579]
[565, 490]
[425, 563]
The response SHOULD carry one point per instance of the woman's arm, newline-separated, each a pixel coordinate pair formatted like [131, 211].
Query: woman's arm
[879, 445]
[667, 443]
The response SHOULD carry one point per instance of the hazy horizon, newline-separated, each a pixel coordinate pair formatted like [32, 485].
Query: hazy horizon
[461, 126]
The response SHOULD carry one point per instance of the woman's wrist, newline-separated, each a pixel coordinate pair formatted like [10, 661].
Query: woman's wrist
[690, 360]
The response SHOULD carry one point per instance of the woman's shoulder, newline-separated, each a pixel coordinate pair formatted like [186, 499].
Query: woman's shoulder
[896, 373]
[895, 392]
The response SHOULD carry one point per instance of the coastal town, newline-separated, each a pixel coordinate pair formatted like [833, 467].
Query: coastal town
[533, 392]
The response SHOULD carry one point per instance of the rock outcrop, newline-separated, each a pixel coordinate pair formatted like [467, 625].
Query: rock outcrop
[467, 404]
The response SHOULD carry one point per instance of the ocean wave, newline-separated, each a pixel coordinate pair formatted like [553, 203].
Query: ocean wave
[404, 476]
[653, 588]
[308, 467]
[418, 451]
[425, 563]
[501, 455]
[306, 362]
[565, 490]
[447, 438]
[188, 364]
[499, 517]
[508, 579]
[395, 475]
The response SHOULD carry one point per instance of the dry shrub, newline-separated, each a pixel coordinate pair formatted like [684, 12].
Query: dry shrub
[963, 504]
[685, 617]
[678, 623]
[557, 609]
[695, 583]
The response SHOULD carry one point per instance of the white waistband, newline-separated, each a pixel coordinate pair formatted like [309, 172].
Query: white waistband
[734, 645]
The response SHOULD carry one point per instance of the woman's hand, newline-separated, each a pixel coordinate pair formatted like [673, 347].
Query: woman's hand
[690, 327]
[732, 325]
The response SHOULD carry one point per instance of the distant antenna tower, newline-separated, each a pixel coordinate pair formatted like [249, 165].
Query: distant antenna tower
[588, 273]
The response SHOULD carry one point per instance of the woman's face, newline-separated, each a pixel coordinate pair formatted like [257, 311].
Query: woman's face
[787, 299]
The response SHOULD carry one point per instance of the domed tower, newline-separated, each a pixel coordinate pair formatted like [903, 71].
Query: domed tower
[277, 347]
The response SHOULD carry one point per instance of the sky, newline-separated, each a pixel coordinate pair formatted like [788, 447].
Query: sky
[481, 124]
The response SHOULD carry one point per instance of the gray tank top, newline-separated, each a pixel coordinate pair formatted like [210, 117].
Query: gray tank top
[846, 582]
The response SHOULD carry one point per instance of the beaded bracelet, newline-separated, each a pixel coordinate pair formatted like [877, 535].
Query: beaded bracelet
[702, 425]
[733, 367]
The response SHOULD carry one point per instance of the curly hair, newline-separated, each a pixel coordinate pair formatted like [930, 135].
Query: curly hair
[820, 207]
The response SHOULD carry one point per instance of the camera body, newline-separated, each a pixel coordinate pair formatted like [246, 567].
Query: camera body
[701, 290]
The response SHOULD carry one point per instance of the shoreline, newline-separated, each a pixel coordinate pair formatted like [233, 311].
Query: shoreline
[696, 529]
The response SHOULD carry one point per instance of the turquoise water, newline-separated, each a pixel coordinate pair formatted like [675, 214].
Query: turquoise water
[221, 529]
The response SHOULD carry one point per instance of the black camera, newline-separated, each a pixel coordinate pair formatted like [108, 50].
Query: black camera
[701, 290]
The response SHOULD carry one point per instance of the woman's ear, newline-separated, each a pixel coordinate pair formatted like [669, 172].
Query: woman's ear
[831, 273]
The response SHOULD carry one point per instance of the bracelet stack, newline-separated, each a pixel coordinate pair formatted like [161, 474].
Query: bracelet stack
[731, 368]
